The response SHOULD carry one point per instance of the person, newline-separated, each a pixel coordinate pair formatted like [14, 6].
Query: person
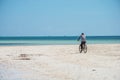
[83, 40]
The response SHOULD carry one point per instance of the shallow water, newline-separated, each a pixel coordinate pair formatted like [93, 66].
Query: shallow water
[57, 40]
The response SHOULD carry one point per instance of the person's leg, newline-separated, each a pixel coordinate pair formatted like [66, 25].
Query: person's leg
[81, 46]
[84, 44]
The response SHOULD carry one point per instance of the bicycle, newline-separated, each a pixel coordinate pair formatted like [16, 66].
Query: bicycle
[84, 48]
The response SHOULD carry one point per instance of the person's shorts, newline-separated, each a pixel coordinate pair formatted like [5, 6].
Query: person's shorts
[83, 42]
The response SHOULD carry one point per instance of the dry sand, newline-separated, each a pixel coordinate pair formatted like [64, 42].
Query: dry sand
[60, 62]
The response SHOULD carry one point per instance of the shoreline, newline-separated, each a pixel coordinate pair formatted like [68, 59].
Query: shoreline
[57, 45]
[60, 44]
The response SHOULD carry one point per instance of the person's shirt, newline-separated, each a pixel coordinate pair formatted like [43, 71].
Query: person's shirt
[83, 38]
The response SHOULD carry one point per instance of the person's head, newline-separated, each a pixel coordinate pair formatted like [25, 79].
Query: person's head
[82, 33]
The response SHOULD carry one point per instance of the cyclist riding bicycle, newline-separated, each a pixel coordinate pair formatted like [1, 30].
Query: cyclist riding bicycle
[83, 40]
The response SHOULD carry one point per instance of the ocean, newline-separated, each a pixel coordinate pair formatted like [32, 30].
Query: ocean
[57, 40]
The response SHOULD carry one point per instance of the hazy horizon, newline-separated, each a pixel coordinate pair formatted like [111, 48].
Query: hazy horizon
[49, 35]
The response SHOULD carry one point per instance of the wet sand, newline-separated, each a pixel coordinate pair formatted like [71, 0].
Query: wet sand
[60, 62]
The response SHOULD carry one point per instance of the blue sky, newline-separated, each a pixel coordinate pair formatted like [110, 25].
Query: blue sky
[59, 17]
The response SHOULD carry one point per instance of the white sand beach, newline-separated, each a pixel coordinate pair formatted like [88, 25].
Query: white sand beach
[60, 62]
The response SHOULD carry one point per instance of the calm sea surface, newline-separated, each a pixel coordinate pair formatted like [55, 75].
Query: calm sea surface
[57, 40]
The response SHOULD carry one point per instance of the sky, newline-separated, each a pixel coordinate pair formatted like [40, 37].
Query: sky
[59, 17]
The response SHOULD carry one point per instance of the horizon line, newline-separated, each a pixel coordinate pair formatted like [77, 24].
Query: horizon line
[60, 36]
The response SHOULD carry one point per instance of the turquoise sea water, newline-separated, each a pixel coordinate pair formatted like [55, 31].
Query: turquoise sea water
[57, 40]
